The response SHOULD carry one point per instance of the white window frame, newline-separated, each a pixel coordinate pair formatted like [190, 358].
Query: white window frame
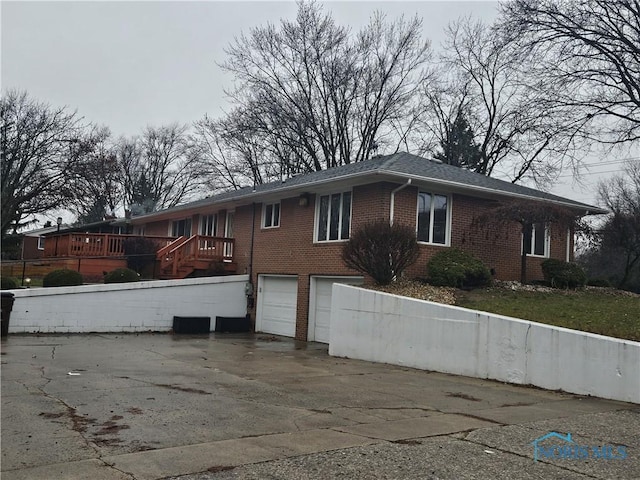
[316, 229]
[209, 222]
[185, 220]
[447, 232]
[41, 241]
[273, 216]
[229, 222]
[547, 243]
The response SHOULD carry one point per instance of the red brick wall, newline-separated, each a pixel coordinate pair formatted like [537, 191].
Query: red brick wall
[499, 249]
[290, 249]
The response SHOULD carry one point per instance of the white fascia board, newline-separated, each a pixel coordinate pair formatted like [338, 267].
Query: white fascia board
[499, 193]
[248, 198]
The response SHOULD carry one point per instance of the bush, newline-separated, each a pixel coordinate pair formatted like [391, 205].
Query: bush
[381, 250]
[599, 282]
[8, 283]
[121, 275]
[62, 278]
[140, 252]
[455, 268]
[561, 274]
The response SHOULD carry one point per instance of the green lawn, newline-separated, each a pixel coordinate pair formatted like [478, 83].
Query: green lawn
[589, 311]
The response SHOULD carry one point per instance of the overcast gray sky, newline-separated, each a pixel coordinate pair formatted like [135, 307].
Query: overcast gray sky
[131, 64]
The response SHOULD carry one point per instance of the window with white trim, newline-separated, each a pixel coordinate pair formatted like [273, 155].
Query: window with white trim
[271, 215]
[41, 243]
[334, 217]
[209, 225]
[536, 242]
[181, 228]
[433, 218]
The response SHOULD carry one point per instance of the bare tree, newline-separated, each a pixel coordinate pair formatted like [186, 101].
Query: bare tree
[159, 169]
[486, 79]
[589, 60]
[38, 150]
[620, 234]
[95, 178]
[234, 153]
[319, 96]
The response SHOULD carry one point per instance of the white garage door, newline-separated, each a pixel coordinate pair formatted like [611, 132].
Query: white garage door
[320, 305]
[277, 302]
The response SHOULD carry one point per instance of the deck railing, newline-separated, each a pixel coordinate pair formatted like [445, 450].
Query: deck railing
[93, 244]
[198, 247]
[172, 253]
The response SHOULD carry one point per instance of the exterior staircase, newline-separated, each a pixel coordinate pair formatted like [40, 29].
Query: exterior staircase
[187, 256]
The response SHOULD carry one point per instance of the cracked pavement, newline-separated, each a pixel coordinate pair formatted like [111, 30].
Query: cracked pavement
[152, 406]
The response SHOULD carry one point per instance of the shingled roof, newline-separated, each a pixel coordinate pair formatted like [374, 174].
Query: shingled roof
[401, 165]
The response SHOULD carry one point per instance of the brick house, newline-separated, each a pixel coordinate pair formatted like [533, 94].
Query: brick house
[33, 242]
[288, 235]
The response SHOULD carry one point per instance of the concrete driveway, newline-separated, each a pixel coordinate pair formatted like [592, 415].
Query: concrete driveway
[153, 406]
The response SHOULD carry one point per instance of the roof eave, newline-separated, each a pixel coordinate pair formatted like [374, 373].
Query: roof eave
[589, 209]
[246, 198]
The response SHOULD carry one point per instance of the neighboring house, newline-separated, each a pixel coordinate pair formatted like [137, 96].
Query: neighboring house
[33, 242]
[114, 226]
[288, 235]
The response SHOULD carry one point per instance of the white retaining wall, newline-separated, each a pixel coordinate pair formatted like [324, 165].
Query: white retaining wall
[380, 327]
[126, 307]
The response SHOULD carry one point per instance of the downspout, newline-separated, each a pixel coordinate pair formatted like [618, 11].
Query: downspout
[393, 199]
[249, 286]
[253, 229]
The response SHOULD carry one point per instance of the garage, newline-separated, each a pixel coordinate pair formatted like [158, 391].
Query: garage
[277, 303]
[320, 305]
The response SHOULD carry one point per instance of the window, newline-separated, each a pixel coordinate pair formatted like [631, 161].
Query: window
[433, 214]
[334, 217]
[271, 215]
[181, 228]
[40, 243]
[209, 225]
[228, 232]
[536, 242]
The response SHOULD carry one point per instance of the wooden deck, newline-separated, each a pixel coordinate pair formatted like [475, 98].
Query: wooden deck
[93, 244]
[175, 257]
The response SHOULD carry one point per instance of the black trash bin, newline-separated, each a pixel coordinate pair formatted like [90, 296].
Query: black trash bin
[7, 306]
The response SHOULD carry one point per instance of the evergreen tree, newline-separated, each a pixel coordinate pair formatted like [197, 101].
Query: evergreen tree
[458, 147]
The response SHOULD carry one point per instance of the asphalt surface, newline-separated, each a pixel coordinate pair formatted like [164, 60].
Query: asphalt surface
[153, 406]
